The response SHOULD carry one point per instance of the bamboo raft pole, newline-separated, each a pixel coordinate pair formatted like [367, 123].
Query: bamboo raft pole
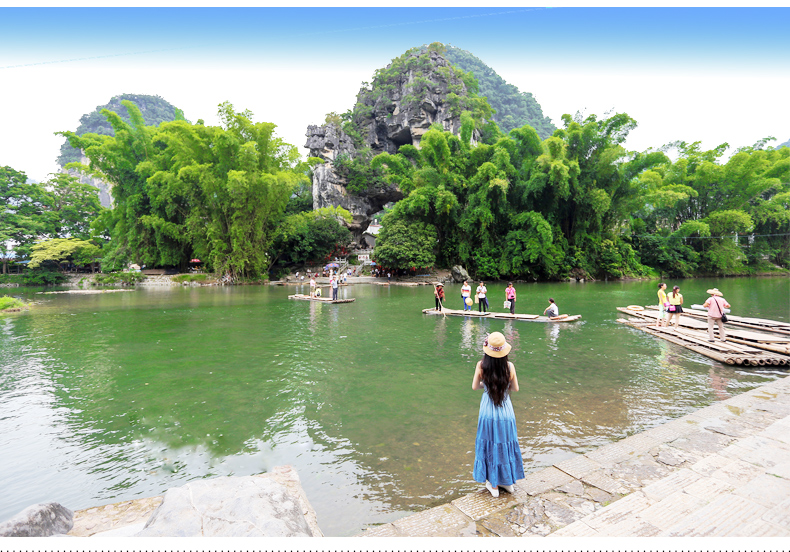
[503, 315]
[303, 297]
[727, 352]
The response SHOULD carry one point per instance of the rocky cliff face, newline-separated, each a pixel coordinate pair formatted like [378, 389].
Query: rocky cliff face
[329, 190]
[414, 92]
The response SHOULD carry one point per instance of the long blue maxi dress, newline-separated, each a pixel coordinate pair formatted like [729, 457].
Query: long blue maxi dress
[497, 454]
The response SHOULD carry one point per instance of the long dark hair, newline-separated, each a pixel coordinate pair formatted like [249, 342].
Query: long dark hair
[675, 291]
[496, 377]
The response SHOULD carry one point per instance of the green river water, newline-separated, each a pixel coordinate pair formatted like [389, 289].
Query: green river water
[117, 396]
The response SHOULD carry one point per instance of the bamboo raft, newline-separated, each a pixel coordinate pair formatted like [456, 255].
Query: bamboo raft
[303, 297]
[741, 348]
[504, 315]
[762, 324]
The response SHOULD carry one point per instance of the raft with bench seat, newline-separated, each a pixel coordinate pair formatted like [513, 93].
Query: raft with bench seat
[303, 297]
[504, 315]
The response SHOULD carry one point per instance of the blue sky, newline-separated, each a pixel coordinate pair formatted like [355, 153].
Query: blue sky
[709, 74]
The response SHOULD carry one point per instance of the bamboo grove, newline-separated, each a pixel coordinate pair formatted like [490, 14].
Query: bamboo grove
[580, 204]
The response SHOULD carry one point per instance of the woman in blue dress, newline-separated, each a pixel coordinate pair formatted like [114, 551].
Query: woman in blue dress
[497, 454]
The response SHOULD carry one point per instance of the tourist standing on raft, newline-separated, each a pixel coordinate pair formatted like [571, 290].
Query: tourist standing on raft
[334, 287]
[312, 286]
[438, 293]
[510, 295]
[481, 291]
[497, 454]
[716, 304]
[662, 305]
[675, 306]
[466, 295]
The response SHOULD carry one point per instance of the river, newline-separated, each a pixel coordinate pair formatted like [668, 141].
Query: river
[117, 396]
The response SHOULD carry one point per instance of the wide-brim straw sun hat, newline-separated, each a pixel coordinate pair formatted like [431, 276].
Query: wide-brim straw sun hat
[438, 284]
[715, 291]
[496, 346]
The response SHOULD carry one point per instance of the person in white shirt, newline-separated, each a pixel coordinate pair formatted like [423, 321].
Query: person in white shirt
[552, 310]
[312, 286]
[466, 293]
[333, 282]
[481, 291]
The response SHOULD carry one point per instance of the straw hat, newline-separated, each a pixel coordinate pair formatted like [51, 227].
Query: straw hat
[496, 346]
[437, 284]
[715, 291]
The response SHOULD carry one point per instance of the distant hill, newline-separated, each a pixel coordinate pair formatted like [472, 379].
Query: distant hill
[514, 108]
[155, 110]
[786, 144]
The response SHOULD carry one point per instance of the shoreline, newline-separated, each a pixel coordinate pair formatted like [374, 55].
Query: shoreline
[723, 470]
[671, 480]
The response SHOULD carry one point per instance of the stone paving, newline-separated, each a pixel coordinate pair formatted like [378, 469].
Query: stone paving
[722, 471]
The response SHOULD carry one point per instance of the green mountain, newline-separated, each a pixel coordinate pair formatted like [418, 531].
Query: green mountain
[155, 110]
[514, 108]
[785, 145]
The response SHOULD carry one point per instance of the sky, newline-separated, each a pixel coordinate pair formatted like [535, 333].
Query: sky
[712, 75]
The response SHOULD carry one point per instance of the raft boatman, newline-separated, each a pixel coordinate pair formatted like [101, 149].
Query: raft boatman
[438, 293]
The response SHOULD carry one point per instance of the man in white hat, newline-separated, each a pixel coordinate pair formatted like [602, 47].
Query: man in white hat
[716, 305]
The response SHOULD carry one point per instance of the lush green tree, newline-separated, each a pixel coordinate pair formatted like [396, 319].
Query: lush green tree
[184, 190]
[22, 208]
[402, 244]
[311, 236]
[70, 207]
[155, 109]
[115, 159]
[61, 250]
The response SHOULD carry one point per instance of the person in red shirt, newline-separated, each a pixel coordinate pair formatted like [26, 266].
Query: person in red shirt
[438, 293]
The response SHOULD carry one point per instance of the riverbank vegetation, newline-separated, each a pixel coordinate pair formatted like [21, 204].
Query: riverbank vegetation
[222, 194]
[8, 303]
[580, 204]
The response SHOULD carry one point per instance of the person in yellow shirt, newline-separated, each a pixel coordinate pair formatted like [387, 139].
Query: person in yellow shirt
[675, 306]
[662, 305]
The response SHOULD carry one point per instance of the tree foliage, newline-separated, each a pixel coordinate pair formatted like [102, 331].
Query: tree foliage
[61, 250]
[185, 190]
[155, 109]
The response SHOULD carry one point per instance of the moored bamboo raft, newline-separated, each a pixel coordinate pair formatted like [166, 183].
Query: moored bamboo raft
[761, 324]
[504, 315]
[302, 297]
[732, 352]
[762, 339]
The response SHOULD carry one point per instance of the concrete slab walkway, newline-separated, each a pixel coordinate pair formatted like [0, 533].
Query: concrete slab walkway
[723, 471]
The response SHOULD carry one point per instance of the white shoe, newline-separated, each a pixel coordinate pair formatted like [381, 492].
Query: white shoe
[509, 488]
[493, 490]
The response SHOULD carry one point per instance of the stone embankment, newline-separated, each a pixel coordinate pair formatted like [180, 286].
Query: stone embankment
[723, 471]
